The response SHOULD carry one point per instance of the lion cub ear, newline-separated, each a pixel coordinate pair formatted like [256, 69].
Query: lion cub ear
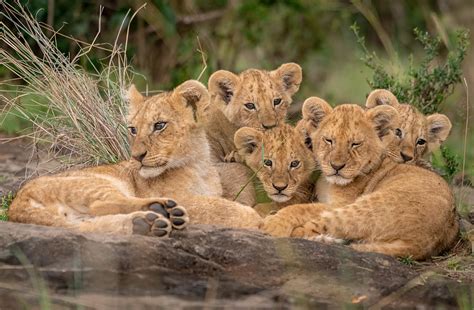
[135, 100]
[314, 111]
[247, 140]
[384, 118]
[381, 97]
[290, 75]
[439, 127]
[195, 96]
[223, 84]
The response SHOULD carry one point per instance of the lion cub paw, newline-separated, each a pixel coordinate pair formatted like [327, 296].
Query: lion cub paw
[276, 226]
[151, 224]
[171, 210]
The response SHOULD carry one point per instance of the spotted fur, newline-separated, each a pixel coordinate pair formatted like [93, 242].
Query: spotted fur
[418, 135]
[269, 92]
[281, 160]
[380, 205]
[254, 98]
[170, 158]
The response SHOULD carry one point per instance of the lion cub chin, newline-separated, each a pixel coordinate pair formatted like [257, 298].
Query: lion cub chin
[388, 207]
[170, 157]
[282, 163]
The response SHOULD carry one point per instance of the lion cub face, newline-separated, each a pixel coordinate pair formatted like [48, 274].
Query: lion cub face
[279, 157]
[418, 135]
[255, 98]
[162, 127]
[346, 140]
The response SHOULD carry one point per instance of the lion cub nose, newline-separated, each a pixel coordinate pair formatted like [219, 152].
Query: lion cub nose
[279, 187]
[406, 157]
[337, 167]
[139, 157]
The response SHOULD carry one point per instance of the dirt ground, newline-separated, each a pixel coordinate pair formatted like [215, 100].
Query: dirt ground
[18, 162]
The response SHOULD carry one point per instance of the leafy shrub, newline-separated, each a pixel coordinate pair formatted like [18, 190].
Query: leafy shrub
[425, 86]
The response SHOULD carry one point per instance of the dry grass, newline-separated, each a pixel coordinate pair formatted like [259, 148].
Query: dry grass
[79, 117]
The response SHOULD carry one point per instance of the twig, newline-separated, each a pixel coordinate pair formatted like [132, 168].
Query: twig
[203, 57]
[253, 175]
[466, 128]
[202, 17]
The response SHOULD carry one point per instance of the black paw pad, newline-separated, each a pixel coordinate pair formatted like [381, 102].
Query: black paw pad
[151, 217]
[160, 224]
[178, 222]
[158, 232]
[140, 226]
[159, 228]
[171, 204]
[158, 208]
[177, 212]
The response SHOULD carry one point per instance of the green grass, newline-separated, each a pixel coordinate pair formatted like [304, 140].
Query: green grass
[5, 205]
[407, 260]
[78, 115]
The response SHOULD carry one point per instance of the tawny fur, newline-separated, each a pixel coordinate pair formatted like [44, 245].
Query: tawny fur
[419, 135]
[282, 163]
[228, 112]
[173, 161]
[382, 206]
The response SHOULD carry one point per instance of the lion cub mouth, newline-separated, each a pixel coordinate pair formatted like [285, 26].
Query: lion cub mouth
[157, 165]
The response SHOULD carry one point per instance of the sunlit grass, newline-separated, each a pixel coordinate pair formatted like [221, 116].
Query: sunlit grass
[78, 116]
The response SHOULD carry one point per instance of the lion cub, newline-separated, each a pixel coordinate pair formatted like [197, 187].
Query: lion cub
[253, 98]
[281, 161]
[418, 135]
[380, 205]
[170, 158]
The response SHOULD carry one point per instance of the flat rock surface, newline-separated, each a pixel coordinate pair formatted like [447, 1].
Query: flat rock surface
[205, 266]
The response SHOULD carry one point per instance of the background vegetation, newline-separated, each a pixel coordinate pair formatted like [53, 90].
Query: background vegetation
[166, 41]
[345, 48]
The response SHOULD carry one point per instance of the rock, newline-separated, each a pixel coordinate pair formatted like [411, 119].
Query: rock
[202, 266]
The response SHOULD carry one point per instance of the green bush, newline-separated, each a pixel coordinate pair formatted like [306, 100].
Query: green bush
[425, 86]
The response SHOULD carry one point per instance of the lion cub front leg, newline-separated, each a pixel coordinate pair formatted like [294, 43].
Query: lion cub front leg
[291, 218]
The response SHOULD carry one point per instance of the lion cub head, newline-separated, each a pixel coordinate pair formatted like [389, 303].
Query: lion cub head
[418, 135]
[279, 157]
[163, 128]
[347, 140]
[255, 98]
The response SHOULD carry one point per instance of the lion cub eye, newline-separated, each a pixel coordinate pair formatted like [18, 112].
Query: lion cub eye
[276, 101]
[398, 132]
[159, 126]
[294, 163]
[133, 131]
[420, 142]
[328, 141]
[356, 145]
[250, 105]
[268, 162]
